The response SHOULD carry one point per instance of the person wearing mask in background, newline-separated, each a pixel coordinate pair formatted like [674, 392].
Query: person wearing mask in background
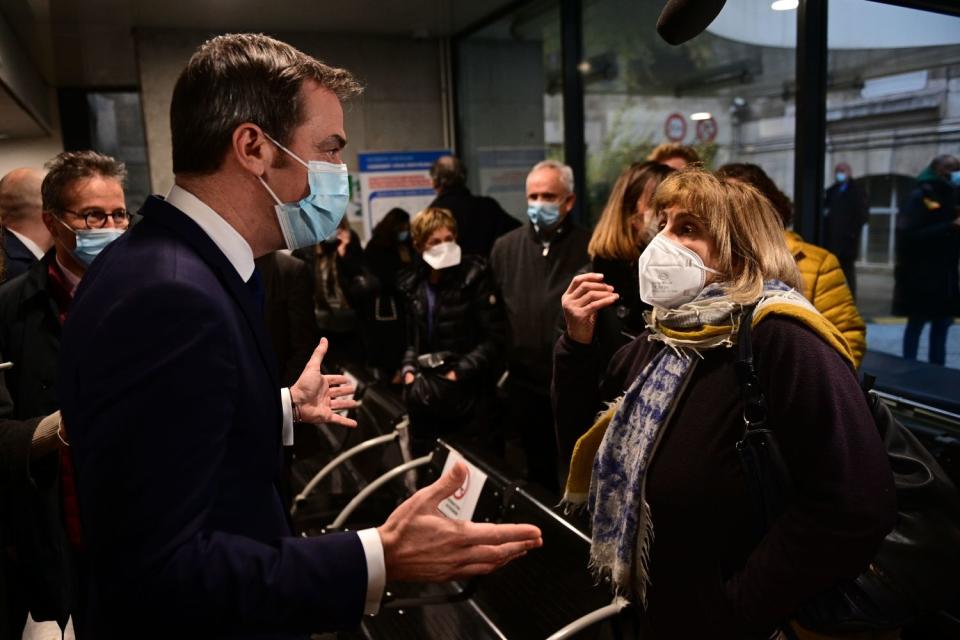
[335, 267]
[821, 276]
[388, 253]
[674, 155]
[456, 335]
[672, 515]
[28, 478]
[532, 267]
[625, 228]
[25, 237]
[481, 219]
[926, 281]
[170, 392]
[84, 210]
[845, 211]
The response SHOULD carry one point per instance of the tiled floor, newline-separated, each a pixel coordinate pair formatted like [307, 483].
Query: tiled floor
[887, 337]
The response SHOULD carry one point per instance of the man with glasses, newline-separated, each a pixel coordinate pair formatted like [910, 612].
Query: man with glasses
[84, 210]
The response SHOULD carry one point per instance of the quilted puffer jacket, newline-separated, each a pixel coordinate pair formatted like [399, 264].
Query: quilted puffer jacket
[825, 286]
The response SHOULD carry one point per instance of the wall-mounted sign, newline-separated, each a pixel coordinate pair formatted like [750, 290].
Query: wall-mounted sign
[707, 130]
[675, 127]
[395, 179]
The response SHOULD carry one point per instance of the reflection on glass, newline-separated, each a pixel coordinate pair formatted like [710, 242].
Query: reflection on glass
[116, 129]
[893, 105]
[729, 92]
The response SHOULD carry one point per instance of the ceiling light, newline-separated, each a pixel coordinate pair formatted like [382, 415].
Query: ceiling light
[784, 5]
[701, 115]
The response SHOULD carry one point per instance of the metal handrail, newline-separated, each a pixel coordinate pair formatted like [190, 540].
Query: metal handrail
[592, 618]
[343, 457]
[376, 484]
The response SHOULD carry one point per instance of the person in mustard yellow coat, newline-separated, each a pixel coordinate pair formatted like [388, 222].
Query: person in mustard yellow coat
[821, 274]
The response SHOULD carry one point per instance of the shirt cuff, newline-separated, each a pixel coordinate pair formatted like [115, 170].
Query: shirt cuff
[287, 404]
[376, 569]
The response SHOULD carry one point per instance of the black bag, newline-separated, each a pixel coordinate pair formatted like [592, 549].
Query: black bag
[433, 397]
[917, 568]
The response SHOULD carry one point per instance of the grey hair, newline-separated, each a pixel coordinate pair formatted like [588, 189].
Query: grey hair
[69, 166]
[566, 173]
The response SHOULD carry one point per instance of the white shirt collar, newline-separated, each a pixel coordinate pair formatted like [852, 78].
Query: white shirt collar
[27, 242]
[227, 239]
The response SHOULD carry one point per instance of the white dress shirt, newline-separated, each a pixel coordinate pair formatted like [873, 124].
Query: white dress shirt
[240, 255]
[27, 242]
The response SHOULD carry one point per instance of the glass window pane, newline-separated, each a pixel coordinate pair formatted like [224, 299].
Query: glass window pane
[116, 129]
[510, 102]
[893, 106]
[729, 92]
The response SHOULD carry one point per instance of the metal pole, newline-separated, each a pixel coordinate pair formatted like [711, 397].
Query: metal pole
[574, 143]
[811, 125]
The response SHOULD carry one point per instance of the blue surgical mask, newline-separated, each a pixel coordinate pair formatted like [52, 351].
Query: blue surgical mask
[955, 178]
[543, 214]
[403, 236]
[316, 217]
[90, 242]
[841, 176]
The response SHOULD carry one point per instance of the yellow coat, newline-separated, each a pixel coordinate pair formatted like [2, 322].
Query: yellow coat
[825, 286]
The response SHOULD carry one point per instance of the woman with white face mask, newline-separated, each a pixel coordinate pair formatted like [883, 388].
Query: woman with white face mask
[456, 332]
[673, 521]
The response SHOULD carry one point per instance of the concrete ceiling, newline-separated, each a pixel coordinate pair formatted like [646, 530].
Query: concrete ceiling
[90, 43]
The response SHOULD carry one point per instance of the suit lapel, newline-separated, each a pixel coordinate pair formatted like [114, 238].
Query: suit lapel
[160, 212]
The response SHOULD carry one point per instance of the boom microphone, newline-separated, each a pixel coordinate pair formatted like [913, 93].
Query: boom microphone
[681, 20]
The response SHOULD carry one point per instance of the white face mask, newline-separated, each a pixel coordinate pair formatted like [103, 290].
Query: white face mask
[670, 274]
[443, 255]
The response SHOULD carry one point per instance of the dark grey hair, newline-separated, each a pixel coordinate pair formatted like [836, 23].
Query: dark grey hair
[70, 166]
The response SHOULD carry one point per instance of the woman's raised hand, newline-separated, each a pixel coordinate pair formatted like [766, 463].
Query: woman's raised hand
[585, 296]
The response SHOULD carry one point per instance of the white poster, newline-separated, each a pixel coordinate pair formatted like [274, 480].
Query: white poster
[463, 502]
[391, 179]
[503, 176]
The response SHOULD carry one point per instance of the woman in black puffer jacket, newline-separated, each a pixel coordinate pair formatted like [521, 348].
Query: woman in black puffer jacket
[456, 331]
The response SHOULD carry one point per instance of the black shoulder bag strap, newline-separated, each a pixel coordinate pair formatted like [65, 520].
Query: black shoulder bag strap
[765, 473]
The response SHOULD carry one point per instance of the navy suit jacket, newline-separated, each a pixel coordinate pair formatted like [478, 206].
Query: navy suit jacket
[172, 405]
[19, 257]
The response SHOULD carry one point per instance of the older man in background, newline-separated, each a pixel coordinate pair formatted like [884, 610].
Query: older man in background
[25, 237]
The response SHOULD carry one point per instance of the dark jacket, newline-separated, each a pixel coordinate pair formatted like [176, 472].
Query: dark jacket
[532, 280]
[710, 576]
[30, 338]
[288, 312]
[169, 387]
[623, 321]
[480, 219]
[467, 320]
[846, 211]
[928, 252]
[18, 258]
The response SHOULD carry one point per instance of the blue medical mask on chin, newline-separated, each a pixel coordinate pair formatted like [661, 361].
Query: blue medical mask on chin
[315, 218]
[955, 178]
[841, 176]
[90, 242]
[543, 214]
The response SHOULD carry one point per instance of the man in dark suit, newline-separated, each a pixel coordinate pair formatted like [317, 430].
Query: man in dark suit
[25, 238]
[480, 219]
[170, 388]
[845, 212]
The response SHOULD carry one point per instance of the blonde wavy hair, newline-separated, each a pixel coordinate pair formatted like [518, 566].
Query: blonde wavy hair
[429, 220]
[746, 230]
[615, 237]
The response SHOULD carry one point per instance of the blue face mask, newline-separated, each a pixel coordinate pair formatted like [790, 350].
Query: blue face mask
[543, 214]
[90, 242]
[403, 236]
[841, 176]
[955, 178]
[314, 218]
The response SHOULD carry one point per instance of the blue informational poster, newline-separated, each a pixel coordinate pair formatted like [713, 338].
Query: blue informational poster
[391, 179]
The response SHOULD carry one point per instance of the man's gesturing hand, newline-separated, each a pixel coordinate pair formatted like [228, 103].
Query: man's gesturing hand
[422, 545]
[586, 295]
[319, 396]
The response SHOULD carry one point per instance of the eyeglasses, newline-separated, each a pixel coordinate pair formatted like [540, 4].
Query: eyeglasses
[95, 218]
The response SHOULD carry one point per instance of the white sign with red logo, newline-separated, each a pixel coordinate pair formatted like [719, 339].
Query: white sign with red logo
[463, 502]
[707, 130]
[675, 127]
